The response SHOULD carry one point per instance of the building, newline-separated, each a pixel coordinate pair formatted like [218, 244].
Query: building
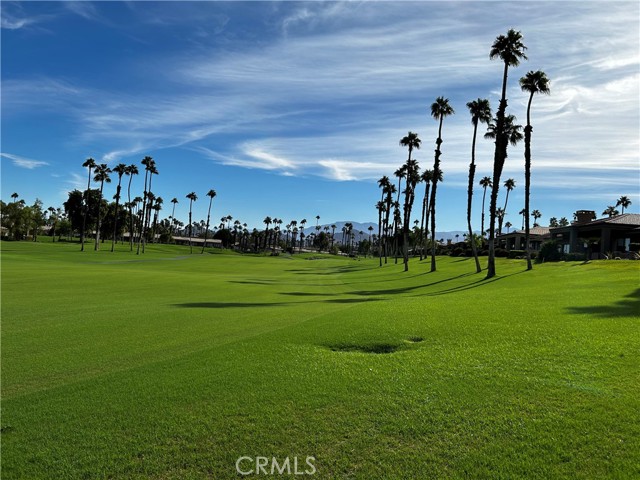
[516, 240]
[617, 236]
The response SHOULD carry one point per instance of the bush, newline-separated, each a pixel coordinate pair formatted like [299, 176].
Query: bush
[549, 252]
[517, 253]
[457, 252]
[502, 253]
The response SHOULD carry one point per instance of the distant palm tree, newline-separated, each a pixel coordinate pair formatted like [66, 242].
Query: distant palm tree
[131, 171]
[210, 194]
[439, 110]
[147, 162]
[383, 183]
[267, 221]
[484, 183]
[90, 163]
[120, 169]
[480, 111]
[611, 211]
[101, 175]
[192, 198]
[15, 196]
[508, 225]
[411, 171]
[536, 215]
[563, 222]
[509, 184]
[523, 212]
[532, 82]
[147, 218]
[623, 202]
[510, 49]
[174, 200]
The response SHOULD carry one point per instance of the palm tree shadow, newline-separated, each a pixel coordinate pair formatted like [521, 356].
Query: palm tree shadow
[478, 283]
[392, 291]
[229, 304]
[629, 306]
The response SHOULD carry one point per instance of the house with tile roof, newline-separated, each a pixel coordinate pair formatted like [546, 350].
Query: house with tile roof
[618, 235]
[516, 240]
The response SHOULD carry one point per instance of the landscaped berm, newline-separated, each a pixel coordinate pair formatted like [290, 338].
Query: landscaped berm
[175, 366]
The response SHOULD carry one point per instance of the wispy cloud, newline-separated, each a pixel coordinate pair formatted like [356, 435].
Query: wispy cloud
[23, 162]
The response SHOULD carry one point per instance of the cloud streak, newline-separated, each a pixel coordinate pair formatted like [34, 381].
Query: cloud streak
[23, 162]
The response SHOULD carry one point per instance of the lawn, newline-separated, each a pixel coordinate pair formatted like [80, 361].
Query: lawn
[173, 366]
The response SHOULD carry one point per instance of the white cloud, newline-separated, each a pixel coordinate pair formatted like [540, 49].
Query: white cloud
[23, 162]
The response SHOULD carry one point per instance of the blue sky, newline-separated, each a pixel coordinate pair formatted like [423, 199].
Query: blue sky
[295, 109]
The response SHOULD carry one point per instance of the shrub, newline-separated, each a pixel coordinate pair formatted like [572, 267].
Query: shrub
[517, 253]
[457, 252]
[501, 252]
[549, 252]
[574, 257]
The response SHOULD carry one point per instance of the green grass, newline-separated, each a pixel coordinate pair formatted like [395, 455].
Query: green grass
[171, 366]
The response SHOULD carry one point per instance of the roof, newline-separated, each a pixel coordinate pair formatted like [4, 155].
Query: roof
[542, 231]
[625, 220]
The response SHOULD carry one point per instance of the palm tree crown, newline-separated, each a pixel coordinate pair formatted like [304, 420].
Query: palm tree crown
[480, 111]
[509, 48]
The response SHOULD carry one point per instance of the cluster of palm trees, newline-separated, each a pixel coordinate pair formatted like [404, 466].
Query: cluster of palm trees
[502, 129]
[612, 211]
[143, 212]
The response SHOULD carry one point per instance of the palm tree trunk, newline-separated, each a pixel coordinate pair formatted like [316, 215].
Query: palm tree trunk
[86, 211]
[436, 176]
[424, 206]
[380, 233]
[97, 246]
[498, 163]
[527, 182]
[115, 220]
[144, 207]
[190, 227]
[206, 230]
[472, 172]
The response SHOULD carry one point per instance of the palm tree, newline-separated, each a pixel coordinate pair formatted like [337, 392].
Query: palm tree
[536, 215]
[147, 162]
[383, 183]
[157, 206]
[131, 170]
[510, 49]
[480, 111]
[210, 194]
[147, 217]
[484, 183]
[192, 198]
[411, 141]
[267, 221]
[623, 202]
[427, 178]
[120, 169]
[523, 212]
[15, 196]
[611, 211]
[439, 110]
[101, 175]
[90, 163]
[532, 82]
[509, 184]
[508, 225]
[174, 200]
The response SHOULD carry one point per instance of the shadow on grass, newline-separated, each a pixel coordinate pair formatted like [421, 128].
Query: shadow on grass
[629, 306]
[478, 283]
[392, 291]
[229, 304]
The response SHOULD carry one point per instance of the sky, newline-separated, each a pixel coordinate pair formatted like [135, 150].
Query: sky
[295, 109]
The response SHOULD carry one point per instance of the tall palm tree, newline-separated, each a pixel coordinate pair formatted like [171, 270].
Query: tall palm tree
[89, 163]
[383, 183]
[611, 211]
[623, 202]
[102, 172]
[131, 170]
[267, 221]
[508, 225]
[413, 177]
[120, 169]
[509, 184]
[147, 162]
[174, 200]
[147, 217]
[210, 194]
[484, 183]
[157, 206]
[427, 178]
[192, 198]
[15, 196]
[439, 110]
[532, 82]
[411, 173]
[510, 49]
[536, 215]
[480, 111]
